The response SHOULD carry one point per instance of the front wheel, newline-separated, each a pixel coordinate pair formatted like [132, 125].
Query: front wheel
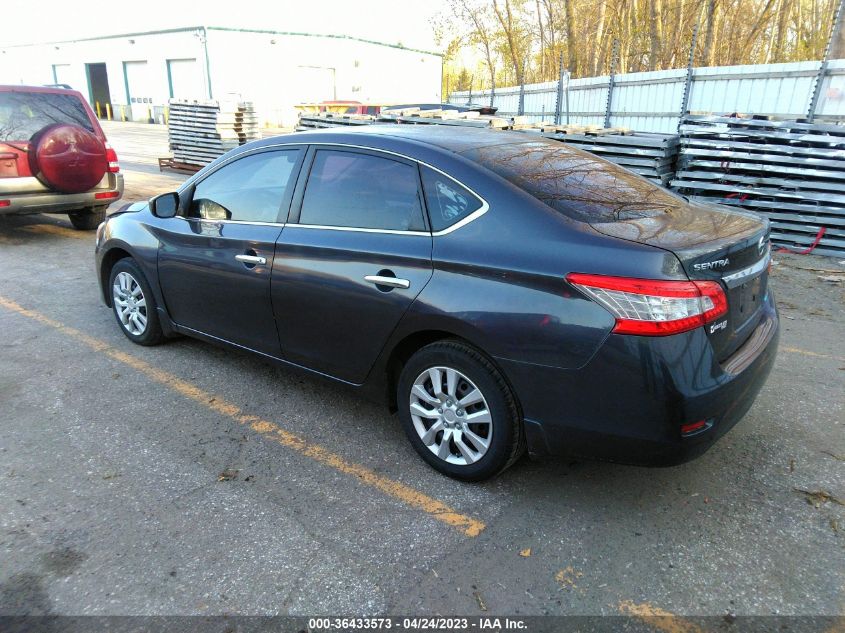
[458, 411]
[133, 304]
[87, 219]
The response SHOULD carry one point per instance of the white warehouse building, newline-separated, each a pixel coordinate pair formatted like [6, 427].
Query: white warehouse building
[137, 73]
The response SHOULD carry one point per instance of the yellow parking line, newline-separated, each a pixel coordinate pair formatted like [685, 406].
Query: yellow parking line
[54, 229]
[806, 352]
[658, 618]
[268, 430]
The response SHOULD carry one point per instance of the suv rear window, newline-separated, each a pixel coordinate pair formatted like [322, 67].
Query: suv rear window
[575, 182]
[22, 114]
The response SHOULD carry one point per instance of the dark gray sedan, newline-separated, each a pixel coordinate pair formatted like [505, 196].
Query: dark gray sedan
[500, 291]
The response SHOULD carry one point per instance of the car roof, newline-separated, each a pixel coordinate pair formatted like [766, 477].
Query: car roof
[452, 138]
[41, 89]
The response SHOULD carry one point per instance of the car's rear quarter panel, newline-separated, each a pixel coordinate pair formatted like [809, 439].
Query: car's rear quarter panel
[499, 281]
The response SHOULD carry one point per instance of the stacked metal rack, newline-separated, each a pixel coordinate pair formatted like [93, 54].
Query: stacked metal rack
[416, 116]
[200, 131]
[650, 155]
[316, 121]
[791, 171]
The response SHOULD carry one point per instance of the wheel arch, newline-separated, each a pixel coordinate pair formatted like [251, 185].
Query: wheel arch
[411, 343]
[110, 258]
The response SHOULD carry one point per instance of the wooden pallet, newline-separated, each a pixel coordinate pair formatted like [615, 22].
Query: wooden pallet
[168, 162]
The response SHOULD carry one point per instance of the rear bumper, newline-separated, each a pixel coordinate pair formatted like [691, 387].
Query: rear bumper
[629, 402]
[29, 197]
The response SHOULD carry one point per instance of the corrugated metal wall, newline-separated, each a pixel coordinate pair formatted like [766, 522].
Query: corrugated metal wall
[651, 101]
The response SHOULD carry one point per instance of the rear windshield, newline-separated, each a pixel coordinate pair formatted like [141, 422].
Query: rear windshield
[22, 114]
[575, 182]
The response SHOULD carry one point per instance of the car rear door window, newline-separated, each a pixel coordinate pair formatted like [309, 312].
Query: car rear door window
[352, 189]
[250, 189]
[448, 202]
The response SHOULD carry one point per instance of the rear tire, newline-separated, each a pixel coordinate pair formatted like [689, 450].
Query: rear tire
[469, 426]
[87, 219]
[133, 304]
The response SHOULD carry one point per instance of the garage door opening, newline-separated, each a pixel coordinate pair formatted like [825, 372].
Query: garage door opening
[98, 88]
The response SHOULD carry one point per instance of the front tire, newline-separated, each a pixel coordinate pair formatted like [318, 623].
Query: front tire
[87, 219]
[459, 412]
[133, 304]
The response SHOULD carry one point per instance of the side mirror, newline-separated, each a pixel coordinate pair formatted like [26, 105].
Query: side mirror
[166, 205]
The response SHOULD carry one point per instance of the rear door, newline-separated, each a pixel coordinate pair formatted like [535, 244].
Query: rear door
[22, 114]
[354, 256]
[214, 262]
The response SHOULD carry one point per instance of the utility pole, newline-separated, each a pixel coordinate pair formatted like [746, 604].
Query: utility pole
[688, 83]
[836, 42]
[614, 60]
[522, 91]
[559, 97]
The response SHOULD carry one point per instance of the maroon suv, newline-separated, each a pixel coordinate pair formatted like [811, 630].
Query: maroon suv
[54, 157]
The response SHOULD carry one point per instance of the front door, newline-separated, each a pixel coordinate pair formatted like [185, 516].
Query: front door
[214, 262]
[352, 263]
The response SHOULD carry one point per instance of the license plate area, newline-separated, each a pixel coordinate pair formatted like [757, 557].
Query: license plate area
[745, 301]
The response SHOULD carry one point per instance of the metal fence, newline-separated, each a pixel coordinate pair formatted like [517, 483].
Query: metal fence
[652, 101]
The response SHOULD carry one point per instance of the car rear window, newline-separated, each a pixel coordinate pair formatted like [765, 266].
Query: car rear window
[22, 114]
[575, 182]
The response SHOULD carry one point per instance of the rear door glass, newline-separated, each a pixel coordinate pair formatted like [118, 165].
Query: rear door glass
[352, 189]
[575, 182]
[22, 114]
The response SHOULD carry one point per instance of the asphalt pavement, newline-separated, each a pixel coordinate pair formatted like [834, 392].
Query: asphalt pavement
[187, 479]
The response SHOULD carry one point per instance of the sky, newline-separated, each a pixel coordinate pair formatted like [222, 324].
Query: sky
[382, 20]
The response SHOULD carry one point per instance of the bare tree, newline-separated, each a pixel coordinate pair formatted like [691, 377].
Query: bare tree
[514, 37]
[571, 35]
[652, 34]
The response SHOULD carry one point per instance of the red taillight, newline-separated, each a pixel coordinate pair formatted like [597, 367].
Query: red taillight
[694, 427]
[5, 203]
[111, 157]
[105, 195]
[650, 307]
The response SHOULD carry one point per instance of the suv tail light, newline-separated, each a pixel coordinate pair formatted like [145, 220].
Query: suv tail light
[111, 157]
[654, 308]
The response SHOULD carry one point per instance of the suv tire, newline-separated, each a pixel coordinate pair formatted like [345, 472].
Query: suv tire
[87, 219]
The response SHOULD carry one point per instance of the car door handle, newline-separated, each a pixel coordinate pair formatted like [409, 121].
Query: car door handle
[251, 259]
[393, 282]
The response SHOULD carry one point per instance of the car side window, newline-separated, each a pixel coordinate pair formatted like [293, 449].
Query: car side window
[358, 190]
[448, 202]
[250, 189]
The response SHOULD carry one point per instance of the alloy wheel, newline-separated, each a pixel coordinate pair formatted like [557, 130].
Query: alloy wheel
[130, 305]
[451, 415]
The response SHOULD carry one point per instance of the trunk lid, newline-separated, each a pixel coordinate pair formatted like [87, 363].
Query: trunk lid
[712, 243]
